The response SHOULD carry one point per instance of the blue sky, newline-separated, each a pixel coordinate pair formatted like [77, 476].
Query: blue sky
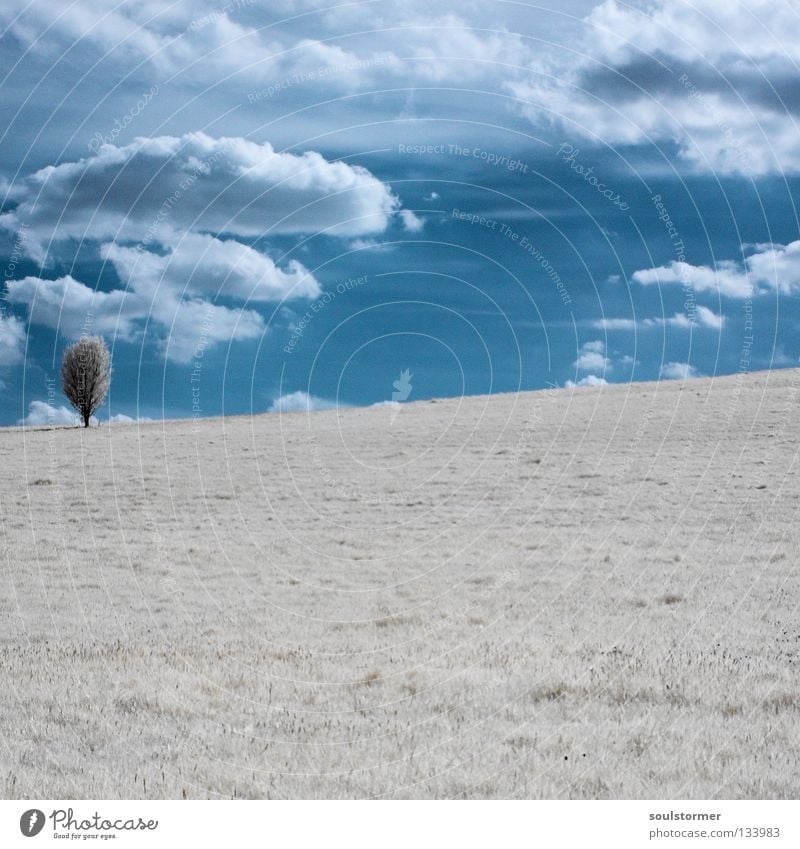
[285, 205]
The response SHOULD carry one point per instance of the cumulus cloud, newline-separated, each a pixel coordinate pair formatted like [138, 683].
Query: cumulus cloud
[191, 326]
[592, 357]
[203, 265]
[678, 371]
[300, 402]
[157, 189]
[13, 337]
[769, 268]
[183, 326]
[41, 414]
[66, 305]
[708, 76]
[155, 195]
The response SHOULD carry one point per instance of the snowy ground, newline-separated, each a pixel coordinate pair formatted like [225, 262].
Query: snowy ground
[588, 593]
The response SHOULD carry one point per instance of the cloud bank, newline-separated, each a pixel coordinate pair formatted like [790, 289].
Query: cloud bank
[168, 214]
[711, 77]
[154, 190]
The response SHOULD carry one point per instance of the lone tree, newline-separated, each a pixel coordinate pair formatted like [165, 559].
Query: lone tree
[86, 375]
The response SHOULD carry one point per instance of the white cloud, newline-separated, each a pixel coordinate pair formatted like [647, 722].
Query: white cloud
[12, 340]
[67, 305]
[678, 371]
[727, 278]
[300, 402]
[121, 418]
[702, 317]
[712, 77]
[411, 222]
[193, 325]
[775, 267]
[592, 357]
[40, 413]
[769, 268]
[616, 324]
[203, 265]
[207, 43]
[589, 380]
[183, 326]
[171, 287]
[157, 189]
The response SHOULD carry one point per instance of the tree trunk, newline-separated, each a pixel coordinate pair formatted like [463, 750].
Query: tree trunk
[86, 416]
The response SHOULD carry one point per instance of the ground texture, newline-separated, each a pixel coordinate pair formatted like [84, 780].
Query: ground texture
[568, 594]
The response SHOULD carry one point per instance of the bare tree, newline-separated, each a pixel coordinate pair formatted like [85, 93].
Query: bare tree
[86, 375]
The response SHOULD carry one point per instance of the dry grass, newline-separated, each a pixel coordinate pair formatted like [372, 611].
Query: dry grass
[340, 606]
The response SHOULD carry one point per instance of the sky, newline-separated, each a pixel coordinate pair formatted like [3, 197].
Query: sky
[294, 205]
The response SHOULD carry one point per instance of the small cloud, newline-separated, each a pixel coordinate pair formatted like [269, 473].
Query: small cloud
[589, 380]
[371, 244]
[300, 402]
[411, 222]
[592, 356]
[431, 197]
[121, 418]
[678, 371]
[12, 340]
[615, 324]
[708, 318]
[700, 317]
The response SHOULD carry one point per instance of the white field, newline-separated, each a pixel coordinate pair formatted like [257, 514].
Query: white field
[568, 594]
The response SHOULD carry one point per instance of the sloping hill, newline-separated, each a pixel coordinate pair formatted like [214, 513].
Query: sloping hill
[589, 593]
